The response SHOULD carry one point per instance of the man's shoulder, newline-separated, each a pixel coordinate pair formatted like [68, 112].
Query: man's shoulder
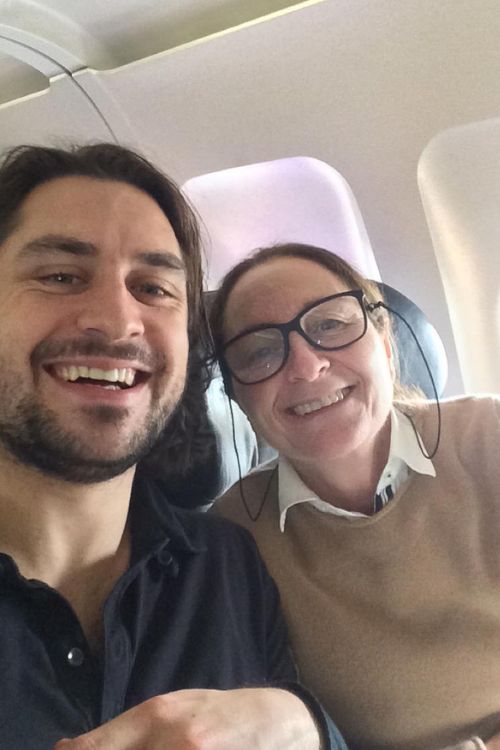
[229, 552]
[214, 533]
[154, 520]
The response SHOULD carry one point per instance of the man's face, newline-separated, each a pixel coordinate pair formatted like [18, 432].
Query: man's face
[93, 328]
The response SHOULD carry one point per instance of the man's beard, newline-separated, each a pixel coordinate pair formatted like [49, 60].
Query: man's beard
[33, 436]
[32, 433]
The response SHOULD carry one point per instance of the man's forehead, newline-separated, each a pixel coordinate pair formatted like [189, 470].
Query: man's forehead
[81, 191]
[87, 208]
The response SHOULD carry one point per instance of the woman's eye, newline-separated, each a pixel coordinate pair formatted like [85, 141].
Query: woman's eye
[327, 324]
[256, 357]
[262, 356]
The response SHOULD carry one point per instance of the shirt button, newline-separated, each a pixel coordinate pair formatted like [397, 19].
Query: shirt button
[165, 557]
[75, 657]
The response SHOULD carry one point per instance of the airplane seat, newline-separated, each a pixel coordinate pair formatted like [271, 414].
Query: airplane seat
[412, 370]
[298, 199]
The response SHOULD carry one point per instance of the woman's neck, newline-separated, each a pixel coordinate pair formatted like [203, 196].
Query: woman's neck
[349, 482]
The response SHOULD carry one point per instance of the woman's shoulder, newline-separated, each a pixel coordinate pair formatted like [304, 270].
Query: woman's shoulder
[468, 424]
[465, 407]
[243, 501]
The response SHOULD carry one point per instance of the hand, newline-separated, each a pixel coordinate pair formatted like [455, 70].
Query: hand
[246, 719]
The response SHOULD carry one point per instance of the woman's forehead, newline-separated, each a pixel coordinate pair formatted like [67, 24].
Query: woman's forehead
[277, 290]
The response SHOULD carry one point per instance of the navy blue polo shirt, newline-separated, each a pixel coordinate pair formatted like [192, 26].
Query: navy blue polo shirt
[195, 609]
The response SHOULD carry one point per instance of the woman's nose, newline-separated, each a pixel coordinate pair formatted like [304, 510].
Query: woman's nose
[304, 361]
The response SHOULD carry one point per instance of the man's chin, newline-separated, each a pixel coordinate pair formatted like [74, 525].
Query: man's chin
[88, 447]
[81, 456]
[76, 466]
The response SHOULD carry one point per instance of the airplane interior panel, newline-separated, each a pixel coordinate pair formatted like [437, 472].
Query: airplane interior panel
[460, 183]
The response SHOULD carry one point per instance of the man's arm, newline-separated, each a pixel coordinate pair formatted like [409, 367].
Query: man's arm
[281, 716]
[245, 719]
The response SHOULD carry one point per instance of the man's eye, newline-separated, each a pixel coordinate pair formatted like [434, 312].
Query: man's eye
[61, 278]
[153, 290]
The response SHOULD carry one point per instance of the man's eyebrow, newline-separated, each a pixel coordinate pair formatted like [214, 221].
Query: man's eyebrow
[50, 243]
[162, 259]
[58, 243]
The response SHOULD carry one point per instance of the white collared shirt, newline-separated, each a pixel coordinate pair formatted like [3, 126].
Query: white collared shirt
[404, 455]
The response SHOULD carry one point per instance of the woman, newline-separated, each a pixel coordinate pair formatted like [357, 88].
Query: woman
[388, 562]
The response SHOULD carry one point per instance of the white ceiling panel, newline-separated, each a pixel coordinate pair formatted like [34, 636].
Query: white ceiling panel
[116, 32]
[18, 79]
[60, 116]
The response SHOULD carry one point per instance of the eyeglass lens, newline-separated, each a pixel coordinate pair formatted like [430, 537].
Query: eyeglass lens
[329, 325]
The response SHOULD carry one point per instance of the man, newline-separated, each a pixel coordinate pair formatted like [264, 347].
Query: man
[123, 624]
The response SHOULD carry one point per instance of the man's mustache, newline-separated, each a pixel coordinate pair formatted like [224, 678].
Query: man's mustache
[49, 349]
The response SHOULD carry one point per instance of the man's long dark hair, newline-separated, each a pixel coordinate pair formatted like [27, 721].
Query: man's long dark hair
[187, 441]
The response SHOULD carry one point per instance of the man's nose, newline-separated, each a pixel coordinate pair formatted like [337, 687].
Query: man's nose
[110, 310]
[304, 361]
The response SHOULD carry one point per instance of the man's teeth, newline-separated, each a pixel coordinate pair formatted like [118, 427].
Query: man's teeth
[117, 375]
[319, 403]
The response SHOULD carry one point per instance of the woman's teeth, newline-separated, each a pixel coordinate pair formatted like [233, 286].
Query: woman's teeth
[320, 403]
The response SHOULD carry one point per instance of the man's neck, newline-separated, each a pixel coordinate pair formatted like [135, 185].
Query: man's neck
[72, 537]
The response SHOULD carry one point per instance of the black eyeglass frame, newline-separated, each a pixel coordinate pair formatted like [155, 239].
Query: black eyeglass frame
[294, 325]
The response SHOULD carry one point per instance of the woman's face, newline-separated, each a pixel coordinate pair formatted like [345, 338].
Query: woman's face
[289, 409]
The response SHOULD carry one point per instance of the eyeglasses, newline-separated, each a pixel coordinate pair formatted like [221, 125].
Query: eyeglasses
[330, 323]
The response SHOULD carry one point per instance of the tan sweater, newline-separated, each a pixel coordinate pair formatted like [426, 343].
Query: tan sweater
[395, 618]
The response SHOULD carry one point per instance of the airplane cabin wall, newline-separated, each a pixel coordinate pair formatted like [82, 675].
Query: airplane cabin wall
[459, 179]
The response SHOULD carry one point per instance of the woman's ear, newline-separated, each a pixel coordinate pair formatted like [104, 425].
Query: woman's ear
[389, 353]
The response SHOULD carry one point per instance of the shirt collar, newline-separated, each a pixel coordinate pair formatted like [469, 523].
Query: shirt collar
[405, 444]
[404, 454]
[155, 523]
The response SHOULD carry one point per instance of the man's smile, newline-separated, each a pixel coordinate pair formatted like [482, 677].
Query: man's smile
[114, 378]
[97, 379]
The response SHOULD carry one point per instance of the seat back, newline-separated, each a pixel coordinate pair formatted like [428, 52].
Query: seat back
[288, 200]
[412, 368]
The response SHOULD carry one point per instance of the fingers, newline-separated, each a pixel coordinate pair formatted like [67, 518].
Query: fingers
[148, 726]
[207, 720]
[125, 732]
